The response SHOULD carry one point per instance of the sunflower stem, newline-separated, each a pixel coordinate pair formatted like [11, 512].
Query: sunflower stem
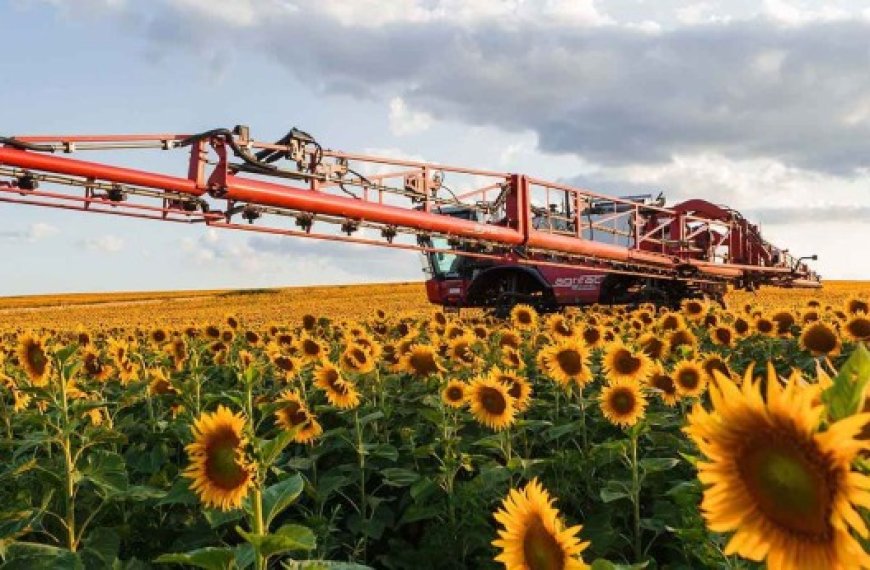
[257, 524]
[69, 470]
[361, 454]
[635, 496]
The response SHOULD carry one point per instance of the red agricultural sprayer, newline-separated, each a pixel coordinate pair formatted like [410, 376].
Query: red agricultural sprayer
[490, 239]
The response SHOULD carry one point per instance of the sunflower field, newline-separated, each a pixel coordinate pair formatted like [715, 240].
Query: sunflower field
[256, 430]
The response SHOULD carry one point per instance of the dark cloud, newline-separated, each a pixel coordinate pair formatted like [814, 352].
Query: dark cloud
[611, 94]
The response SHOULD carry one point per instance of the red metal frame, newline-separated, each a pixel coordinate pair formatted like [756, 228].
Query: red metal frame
[694, 240]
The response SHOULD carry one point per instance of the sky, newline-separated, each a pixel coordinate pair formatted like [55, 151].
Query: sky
[762, 106]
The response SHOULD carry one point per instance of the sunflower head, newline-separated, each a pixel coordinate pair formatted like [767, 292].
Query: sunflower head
[857, 305]
[592, 336]
[783, 321]
[664, 384]
[341, 393]
[690, 378]
[741, 326]
[622, 402]
[511, 358]
[857, 328]
[682, 339]
[533, 536]
[421, 360]
[219, 469]
[723, 335]
[460, 351]
[357, 359]
[784, 488]
[34, 358]
[490, 403]
[559, 327]
[653, 345]
[524, 318]
[621, 363]
[292, 413]
[820, 339]
[454, 393]
[510, 338]
[518, 388]
[566, 362]
[671, 322]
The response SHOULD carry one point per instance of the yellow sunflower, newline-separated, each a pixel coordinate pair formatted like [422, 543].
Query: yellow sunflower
[490, 403]
[292, 413]
[664, 384]
[653, 345]
[622, 402]
[33, 357]
[94, 367]
[454, 393]
[288, 367]
[672, 322]
[357, 359]
[160, 383]
[783, 320]
[682, 338]
[620, 363]
[340, 392]
[559, 326]
[690, 379]
[220, 471]
[694, 309]
[511, 358]
[421, 360]
[518, 388]
[592, 336]
[820, 339]
[723, 335]
[310, 349]
[786, 489]
[712, 363]
[460, 351]
[566, 362]
[524, 318]
[857, 305]
[857, 328]
[511, 338]
[742, 327]
[534, 536]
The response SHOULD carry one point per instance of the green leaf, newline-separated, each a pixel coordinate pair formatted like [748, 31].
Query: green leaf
[655, 464]
[179, 494]
[399, 477]
[101, 548]
[288, 538]
[602, 564]
[106, 471]
[280, 496]
[34, 556]
[386, 451]
[368, 418]
[613, 491]
[846, 396]
[208, 558]
[272, 448]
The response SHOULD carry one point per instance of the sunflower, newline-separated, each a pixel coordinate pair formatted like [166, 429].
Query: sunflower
[212, 332]
[120, 350]
[309, 322]
[421, 360]
[511, 338]
[219, 469]
[310, 349]
[857, 328]
[783, 320]
[480, 331]
[534, 536]
[558, 326]
[786, 489]
[177, 350]
[459, 350]
[664, 384]
[34, 359]
[566, 362]
[723, 335]
[690, 379]
[160, 384]
[340, 392]
[741, 327]
[287, 366]
[653, 345]
[21, 400]
[491, 404]
[511, 358]
[94, 367]
[518, 388]
[592, 336]
[622, 402]
[620, 363]
[672, 322]
[856, 305]
[232, 321]
[454, 393]
[820, 339]
[372, 346]
[292, 413]
[682, 338]
[158, 336]
[524, 318]
[714, 363]
[810, 316]
[357, 359]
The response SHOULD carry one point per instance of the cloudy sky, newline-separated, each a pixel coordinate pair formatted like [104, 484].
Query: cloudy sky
[763, 106]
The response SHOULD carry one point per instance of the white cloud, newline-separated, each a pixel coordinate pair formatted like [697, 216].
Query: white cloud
[405, 121]
[40, 230]
[107, 243]
[788, 14]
